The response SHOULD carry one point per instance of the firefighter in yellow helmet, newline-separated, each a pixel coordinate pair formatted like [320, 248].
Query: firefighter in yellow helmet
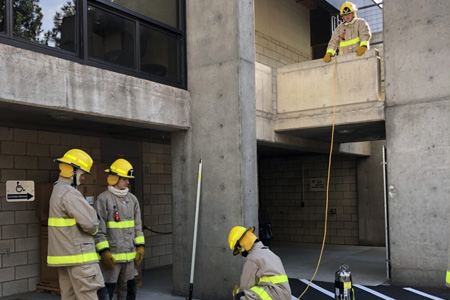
[120, 240]
[263, 275]
[72, 225]
[352, 35]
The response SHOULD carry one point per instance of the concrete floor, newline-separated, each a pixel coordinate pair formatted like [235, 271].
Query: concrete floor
[367, 265]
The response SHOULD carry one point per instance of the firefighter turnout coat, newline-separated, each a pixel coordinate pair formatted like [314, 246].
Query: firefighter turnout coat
[263, 276]
[72, 223]
[120, 228]
[349, 37]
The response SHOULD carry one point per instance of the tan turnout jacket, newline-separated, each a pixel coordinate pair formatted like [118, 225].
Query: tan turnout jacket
[122, 236]
[72, 223]
[349, 37]
[263, 275]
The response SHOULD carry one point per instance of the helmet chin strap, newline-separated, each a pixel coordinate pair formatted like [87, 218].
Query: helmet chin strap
[74, 177]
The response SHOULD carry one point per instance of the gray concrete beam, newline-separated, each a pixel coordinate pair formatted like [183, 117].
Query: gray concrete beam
[38, 80]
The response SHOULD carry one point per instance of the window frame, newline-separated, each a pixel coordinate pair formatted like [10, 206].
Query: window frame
[81, 52]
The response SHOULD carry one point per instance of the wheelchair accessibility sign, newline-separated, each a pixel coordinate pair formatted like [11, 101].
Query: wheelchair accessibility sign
[19, 190]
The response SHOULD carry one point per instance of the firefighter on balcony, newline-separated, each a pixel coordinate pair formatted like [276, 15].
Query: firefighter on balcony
[72, 225]
[263, 275]
[120, 240]
[353, 35]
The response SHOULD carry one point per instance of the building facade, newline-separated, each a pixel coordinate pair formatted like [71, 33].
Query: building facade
[235, 84]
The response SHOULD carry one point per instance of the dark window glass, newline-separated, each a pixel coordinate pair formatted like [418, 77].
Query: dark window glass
[159, 54]
[2, 15]
[165, 11]
[48, 22]
[111, 38]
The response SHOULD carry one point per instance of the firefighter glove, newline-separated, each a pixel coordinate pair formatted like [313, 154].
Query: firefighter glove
[327, 57]
[360, 51]
[107, 260]
[140, 250]
[235, 290]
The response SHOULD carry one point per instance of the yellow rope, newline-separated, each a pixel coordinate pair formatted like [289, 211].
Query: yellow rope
[328, 179]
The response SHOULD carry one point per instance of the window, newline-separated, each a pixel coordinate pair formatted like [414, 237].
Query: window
[164, 11]
[159, 53]
[136, 37]
[2, 15]
[111, 38]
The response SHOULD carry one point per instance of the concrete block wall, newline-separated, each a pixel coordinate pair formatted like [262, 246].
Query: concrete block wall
[274, 53]
[28, 155]
[157, 191]
[282, 189]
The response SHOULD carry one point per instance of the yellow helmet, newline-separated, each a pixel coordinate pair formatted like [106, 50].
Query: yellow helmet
[241, 239]
[121, 168]
[348, 7]
[78, 159]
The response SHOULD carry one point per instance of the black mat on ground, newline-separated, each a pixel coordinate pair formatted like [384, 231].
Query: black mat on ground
[394, 292]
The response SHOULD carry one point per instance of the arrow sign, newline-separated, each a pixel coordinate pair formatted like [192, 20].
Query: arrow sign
[26, 196]
[19, 190]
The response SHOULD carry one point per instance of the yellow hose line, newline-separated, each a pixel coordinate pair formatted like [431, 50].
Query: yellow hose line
[328, 179]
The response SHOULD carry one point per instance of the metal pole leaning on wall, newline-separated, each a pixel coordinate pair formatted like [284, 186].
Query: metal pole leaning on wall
[194, 243]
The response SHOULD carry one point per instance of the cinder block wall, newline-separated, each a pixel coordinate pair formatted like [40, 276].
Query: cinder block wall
[29, 155]
[273, 53]
[281, 193]
[157, 185]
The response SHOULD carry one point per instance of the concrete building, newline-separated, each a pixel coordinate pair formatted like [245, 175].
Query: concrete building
[241, 86]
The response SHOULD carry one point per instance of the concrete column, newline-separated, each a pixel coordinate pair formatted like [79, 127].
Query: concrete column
[371, 197]
[221, 72]
[417, 39]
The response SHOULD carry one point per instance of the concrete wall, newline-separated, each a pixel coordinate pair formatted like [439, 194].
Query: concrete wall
[286, 21]
[282, 36]
[221, 63]
[29, 155]
[297, 208]
[417, 40]
[371, 197]
[310, 85]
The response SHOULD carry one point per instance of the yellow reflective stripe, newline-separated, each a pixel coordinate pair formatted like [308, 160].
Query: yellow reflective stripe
[447, 278]
[139, 240]
[332, 51]
[349, 42]
[121, 224]
[72, 157]
[61, 222]
[124, 256]
[72, 259]
[261, 293]
[363, 43]
[276, 279]
[102, 245]
[96, 230]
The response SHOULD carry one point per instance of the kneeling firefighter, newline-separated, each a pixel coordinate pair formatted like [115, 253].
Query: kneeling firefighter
[263, 275]
[120, 240]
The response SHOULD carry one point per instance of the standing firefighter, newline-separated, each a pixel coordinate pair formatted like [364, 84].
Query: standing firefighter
[353, 35]
[120, 240]
[263, 276]
[72, 223]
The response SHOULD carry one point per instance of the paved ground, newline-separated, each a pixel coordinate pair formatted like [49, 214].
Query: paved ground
[367, 265]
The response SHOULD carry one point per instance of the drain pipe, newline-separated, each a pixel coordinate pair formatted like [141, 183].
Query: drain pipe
[386, 215]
